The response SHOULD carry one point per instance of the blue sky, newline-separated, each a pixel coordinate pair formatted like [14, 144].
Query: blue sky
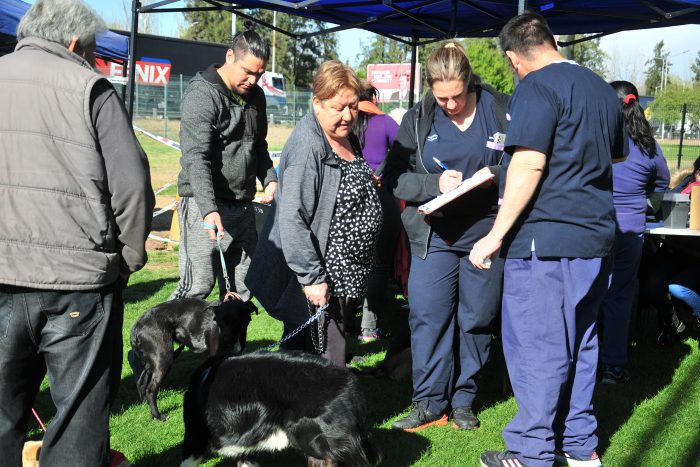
[628, 50]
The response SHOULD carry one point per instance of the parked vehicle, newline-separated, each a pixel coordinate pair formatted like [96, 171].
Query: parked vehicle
[274, 86]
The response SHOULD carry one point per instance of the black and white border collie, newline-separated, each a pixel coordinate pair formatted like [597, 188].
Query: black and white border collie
[239, 406]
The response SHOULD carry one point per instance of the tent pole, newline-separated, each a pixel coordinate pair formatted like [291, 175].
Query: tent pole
[522, 6]
[412, 80]
[135, 5]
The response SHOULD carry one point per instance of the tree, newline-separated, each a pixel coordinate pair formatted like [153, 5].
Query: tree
[489, 63]
[297, 60]
[654, 72]
[695, 68]
[484, 57]
[587, 53]
[667, 105]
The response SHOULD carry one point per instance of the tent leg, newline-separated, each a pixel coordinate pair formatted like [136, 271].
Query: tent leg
[412, 81]
[135, 5]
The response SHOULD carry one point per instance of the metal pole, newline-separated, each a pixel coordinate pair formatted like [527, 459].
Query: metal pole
[233, 21]
[165, 108]
[680, 144]
[274, 33]
[522, 6]
[135, 5]
[412, 79]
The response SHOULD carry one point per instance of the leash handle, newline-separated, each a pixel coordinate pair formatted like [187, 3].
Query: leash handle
[219, 236]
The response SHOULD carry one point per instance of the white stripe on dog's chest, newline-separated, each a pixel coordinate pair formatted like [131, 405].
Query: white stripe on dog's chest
[276, 442]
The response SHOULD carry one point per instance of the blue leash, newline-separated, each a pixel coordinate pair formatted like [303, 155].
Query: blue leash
[208, 226]
[313, 318]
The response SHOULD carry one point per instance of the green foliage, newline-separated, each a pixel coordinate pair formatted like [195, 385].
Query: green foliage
[489, 63]
[590, 55]
[654, 72]
[668, 103]
[297, 60]
[695, 68]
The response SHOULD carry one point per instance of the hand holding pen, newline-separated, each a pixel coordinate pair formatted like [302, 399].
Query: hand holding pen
[450, 179]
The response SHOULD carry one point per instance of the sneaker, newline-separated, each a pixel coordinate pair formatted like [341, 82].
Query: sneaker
[369, 335]
[614, 375]
[419, 418]
[500, 459]
[464, 419]
[576, 461]
[670, 330]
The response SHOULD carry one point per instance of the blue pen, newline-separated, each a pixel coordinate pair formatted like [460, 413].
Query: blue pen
[440, 164]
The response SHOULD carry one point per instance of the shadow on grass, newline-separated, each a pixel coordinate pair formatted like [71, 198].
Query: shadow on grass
[137, 291]
[651, 368]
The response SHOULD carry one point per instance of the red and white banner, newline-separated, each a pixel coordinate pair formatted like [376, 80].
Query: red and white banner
[154, 73]
[392, 80]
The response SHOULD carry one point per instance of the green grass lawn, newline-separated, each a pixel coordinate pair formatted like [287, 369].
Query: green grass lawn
[651, 421]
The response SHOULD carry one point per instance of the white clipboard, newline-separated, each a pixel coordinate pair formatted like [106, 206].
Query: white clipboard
[443, 199]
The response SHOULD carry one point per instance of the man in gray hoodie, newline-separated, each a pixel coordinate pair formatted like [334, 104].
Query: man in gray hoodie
[223, 128]
[76, 209]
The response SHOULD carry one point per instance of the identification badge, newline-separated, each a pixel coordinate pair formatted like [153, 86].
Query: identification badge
[497, 141]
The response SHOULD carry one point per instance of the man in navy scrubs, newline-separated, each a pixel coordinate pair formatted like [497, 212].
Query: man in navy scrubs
[556, 228]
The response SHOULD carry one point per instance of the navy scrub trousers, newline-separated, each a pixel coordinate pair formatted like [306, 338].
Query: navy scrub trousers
[452, 306]
[550, 343]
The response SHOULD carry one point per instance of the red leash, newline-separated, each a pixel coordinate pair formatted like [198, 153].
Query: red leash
[43, 427]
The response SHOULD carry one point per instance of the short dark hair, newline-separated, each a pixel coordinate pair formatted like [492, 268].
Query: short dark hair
[249, 41]
[526, 32]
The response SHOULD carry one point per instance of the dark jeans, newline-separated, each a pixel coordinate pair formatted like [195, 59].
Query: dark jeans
[340, 310]
[76, 338]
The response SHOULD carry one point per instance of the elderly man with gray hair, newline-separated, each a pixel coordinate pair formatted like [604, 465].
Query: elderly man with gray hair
[76, 210]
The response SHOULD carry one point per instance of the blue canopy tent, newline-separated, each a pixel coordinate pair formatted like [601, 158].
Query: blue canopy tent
[110, 45]
[418, 22]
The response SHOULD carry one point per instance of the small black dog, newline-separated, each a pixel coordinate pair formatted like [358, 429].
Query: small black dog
[239, 406]
[197, 324]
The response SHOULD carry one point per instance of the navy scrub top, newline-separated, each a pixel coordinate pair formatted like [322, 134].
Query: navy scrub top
[573, 116]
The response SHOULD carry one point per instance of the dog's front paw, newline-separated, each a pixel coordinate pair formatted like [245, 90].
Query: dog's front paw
[161, 417]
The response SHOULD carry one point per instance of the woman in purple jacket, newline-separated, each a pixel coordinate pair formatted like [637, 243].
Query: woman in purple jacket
[376, 132]
[641, 174]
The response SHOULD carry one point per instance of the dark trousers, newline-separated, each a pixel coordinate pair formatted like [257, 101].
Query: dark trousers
[76, 338]
[383, 260]
[452, 305]
[550, 343]
[331, 326]
[618, 301]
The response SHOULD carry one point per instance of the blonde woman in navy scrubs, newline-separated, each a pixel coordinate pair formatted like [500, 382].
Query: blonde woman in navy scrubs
[448, 136]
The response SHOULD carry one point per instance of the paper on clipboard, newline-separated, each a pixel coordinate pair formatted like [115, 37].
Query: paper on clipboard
[443, 199]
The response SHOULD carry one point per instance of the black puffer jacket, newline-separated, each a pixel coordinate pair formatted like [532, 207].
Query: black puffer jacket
[405, 174]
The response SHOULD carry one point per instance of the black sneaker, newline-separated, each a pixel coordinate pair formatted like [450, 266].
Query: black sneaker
[500, 459]
[464, 419]
[419, 418]
[614, 375]
[669, 331]
[565, 458]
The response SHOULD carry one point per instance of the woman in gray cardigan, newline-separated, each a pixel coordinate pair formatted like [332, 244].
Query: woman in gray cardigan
[317, 246]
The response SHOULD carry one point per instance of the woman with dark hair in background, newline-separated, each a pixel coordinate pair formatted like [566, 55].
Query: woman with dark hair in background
[376, 132]
[643, 173]
[455, 126]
